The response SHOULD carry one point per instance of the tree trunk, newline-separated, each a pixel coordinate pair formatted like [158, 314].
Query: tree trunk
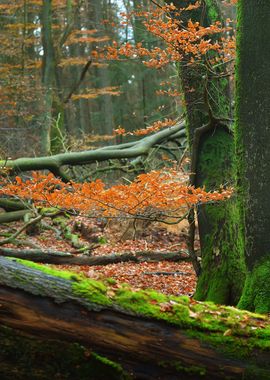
[252, 144]
[53, 115]
[207, 102]
[153, 336]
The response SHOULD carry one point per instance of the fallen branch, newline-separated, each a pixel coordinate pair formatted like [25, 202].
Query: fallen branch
[12, 205]
[62, 258]
[177, 273]
[13, 216]
[54, 163]
[21, 229]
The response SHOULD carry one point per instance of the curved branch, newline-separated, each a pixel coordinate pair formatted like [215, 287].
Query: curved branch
[55, 162]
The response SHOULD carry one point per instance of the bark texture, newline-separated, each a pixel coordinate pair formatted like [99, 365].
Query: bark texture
[252, 144]
[222, 274]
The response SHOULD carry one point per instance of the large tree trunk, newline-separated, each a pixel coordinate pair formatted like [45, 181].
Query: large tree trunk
[223, 269]
[252, 144]
[151, 335]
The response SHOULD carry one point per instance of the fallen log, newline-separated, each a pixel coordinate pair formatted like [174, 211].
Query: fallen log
[151, 335]
[12, 205]
[62, 258]
[12, 216]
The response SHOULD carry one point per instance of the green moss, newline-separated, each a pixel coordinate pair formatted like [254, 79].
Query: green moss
[92, 290]
[24, 358]
[110, 281]
[215, 159]
[213, 12]
[193, 316]
[184, 369]
[49, 210]
[223, 265]
[74, 239]
[256, 293]
[220, 224]
[68, 275]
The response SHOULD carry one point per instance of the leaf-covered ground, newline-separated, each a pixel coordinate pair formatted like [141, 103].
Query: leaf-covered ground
[119, 237]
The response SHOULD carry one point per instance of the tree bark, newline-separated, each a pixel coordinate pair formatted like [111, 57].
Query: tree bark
[133, 328]
[222, 274]
[252, 146]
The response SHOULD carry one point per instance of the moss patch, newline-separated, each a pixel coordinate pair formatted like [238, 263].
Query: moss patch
[220, 224]
[181, 368]
[256, 293]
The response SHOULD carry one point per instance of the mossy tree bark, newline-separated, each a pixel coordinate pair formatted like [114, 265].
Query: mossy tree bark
[153, 336]
[252, 145]
[212, 150]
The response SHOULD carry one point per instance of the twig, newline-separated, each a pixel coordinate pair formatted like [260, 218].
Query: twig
[83, 73]
[20, 230]
[176, 273]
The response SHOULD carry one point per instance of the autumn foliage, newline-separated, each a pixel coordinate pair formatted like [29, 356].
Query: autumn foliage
[189, 43]
[162, 195]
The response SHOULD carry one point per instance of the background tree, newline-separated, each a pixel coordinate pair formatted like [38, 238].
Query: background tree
[55, 81]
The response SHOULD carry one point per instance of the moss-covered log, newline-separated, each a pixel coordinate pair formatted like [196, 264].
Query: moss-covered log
[12, 205]
[12, 216]
[152, 335]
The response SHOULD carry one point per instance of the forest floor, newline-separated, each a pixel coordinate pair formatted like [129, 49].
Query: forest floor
[116, 237]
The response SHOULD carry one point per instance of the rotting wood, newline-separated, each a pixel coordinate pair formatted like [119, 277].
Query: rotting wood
[43, 305]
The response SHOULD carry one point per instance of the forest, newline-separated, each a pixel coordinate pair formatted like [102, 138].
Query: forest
[134, 189]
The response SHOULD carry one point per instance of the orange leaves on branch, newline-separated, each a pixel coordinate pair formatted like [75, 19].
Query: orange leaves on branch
[85, 36]
[190, 43]
[158, 194]
[145, 131]
[94, 93]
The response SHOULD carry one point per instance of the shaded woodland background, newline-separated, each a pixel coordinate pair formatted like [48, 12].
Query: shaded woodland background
[112, 94]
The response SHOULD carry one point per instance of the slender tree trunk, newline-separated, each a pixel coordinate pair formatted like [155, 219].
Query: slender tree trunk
[48, 61]
[252, 144]
[54, 117]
